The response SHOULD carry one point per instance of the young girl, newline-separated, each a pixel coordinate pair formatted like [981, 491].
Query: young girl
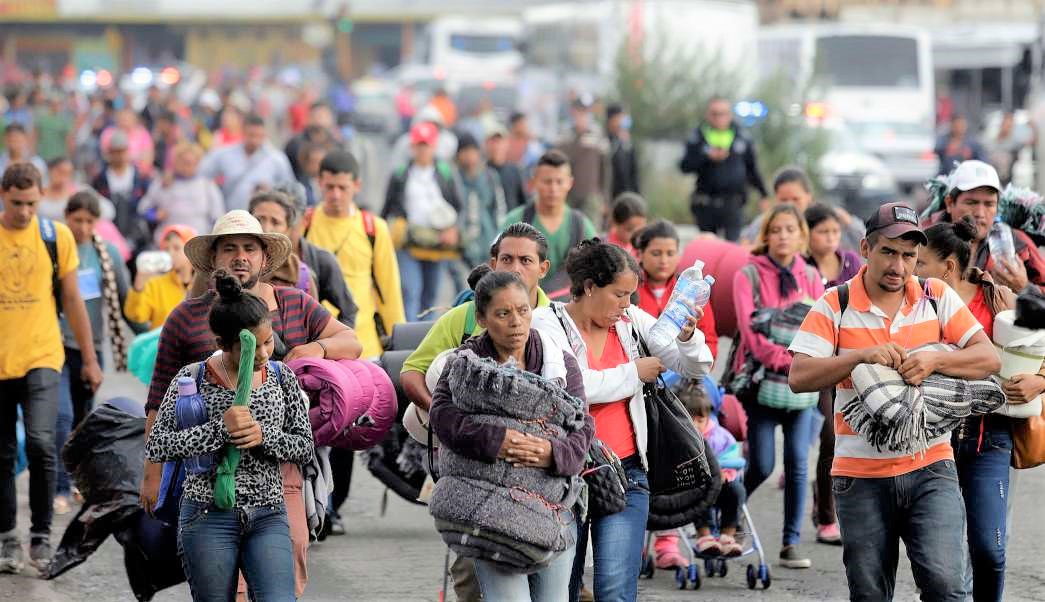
[232, 516]
[154, 296]
[627, 216]
[835, 266]
[657, 248]
[782, 279]
[730, 459]
[102, 278]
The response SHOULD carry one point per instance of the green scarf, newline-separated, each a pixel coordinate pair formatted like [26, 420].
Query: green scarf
[225, 482]
[718, 138]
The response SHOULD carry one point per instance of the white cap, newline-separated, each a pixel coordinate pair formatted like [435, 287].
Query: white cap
[975, 174]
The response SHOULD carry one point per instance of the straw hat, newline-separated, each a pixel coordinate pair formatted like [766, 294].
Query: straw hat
[199, 249]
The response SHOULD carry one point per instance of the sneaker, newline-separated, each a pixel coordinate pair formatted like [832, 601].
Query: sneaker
[829, 534]
[61, 505]
[12, 558]
[40, 552]
[790, 558]
[730, 547]
[336, 526]
[708, 546]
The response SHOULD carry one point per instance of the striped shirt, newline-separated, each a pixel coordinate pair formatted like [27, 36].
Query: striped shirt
[186, 337]
[825, 333]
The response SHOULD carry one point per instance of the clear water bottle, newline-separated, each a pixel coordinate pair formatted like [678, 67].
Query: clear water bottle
[190, 410]
[690, 290]
[154, 262]
[1000, 242]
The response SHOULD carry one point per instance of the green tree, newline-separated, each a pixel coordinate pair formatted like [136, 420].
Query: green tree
[666, 90]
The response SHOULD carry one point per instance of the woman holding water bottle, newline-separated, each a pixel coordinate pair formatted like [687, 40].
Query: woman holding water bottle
[777, 278]
[602, 329]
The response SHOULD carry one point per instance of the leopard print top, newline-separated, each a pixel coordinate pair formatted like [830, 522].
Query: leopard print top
[286, 432]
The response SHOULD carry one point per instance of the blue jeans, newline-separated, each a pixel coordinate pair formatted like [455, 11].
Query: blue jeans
[214, 544]
[761, 437]
[983, 475]
[924, 508]
[549, 584]
[420, 281]
[75, 401]
[617, 542]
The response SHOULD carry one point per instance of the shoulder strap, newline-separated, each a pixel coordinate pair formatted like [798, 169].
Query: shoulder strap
[936, 309]
[274, 366]
[198, 370]
[529, 212]
[576, 227]
[469, 322]
[371, 234]
[751, 274]
[50, 238]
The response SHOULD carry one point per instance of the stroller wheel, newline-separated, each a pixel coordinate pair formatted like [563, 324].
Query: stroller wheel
[647, 567]
[694, 576]
[751, 579]
[763, 573]
[709, 567]
[723, 567]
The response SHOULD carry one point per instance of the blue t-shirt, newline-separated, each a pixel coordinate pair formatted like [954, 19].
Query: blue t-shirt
[89, 278]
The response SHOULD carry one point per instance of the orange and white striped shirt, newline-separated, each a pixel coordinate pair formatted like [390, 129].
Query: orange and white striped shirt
[825, 333]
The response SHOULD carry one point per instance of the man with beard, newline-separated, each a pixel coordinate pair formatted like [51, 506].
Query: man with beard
[302, 327]
[883, 496]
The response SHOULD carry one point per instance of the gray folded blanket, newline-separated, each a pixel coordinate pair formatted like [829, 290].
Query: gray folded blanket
[895, 416]
[497, 509]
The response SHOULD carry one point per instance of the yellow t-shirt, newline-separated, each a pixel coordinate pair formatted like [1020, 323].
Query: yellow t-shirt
[346, 238]
[156, 301]
[29, 333]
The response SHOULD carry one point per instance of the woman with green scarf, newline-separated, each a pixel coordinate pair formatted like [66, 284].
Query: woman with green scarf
[232, 516]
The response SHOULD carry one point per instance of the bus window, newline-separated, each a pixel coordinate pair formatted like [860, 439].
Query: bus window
[843, 61]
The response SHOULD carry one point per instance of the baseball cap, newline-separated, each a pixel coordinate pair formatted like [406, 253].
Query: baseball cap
[496, 130]
[424, 133]
[974, 174]
[895, 220]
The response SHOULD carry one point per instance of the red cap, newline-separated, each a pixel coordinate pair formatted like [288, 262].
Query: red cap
[424, 133]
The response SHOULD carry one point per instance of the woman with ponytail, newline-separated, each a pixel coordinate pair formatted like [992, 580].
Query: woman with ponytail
[232, 514]
[982, 443]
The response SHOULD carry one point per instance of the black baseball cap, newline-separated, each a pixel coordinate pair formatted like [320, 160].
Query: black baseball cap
[896, 220]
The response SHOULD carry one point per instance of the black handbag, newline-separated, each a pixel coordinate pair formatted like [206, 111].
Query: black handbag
[607, 483]
[675, 451]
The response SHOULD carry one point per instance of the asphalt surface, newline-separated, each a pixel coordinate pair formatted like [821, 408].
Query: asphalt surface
[398, 556]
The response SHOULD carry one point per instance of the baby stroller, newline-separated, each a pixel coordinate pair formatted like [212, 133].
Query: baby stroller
[716, 564]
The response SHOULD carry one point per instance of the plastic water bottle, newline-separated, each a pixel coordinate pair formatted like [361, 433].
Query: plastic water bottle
[190, 410]
[690, 290]
[999, 239]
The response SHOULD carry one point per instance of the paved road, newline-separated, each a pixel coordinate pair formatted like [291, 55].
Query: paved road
[398, 556]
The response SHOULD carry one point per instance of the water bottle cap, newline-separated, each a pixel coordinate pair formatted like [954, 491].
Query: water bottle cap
[997, 219]
[709, 279]
[186, 386]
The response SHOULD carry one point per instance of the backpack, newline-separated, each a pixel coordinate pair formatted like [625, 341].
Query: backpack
[843, 301]
[50, 238]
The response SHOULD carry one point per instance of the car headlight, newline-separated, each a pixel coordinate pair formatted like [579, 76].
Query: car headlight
[877, 181]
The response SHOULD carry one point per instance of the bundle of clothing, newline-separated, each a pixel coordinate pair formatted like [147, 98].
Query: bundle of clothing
[898, 417]
[518, 517]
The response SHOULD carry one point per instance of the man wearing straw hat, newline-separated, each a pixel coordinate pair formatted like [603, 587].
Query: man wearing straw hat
[301, 326]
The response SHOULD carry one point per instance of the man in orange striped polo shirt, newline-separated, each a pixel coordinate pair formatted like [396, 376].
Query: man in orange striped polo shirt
[884, 496]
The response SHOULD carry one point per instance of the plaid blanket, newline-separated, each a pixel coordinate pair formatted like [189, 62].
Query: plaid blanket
[898, 417]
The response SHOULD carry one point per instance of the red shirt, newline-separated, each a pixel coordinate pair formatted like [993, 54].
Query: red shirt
[612, 421]
[652, 305]
[978, 306]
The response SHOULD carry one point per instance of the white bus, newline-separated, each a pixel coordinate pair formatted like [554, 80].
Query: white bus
[877, 78]
[465, 49]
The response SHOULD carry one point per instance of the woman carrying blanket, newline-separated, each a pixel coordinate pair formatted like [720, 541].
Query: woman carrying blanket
[982, 443]
[602, 329]
[480, 449]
